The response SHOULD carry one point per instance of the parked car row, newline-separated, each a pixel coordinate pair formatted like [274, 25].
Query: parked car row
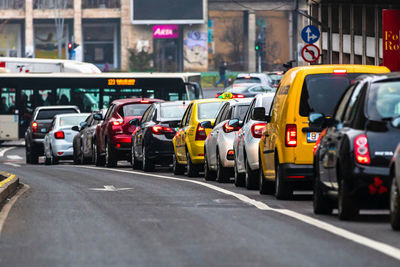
[329, 128]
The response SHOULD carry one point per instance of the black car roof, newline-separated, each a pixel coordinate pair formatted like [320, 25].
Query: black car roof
[378, 77]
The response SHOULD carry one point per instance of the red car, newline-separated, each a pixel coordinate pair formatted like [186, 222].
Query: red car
[113, 139]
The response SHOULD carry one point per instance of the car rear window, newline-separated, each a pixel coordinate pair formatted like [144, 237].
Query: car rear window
[266, 103]
[247, 80]
[208, 110]
[72, 120]
[172, 112]
[384, 100]
[240, 111]
[48, 114]
[131, 110]
[321, 92]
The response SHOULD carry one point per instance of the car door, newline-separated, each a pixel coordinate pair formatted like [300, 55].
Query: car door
[212, 142]
[139, 133]
[84, 135]
[104, 127]
[180, 135]
[241, 137]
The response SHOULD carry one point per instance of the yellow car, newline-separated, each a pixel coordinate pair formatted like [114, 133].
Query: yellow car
[286, 146]
[189, 139]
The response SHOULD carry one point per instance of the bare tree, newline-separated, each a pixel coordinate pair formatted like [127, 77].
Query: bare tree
[59, 15]
[234, 36]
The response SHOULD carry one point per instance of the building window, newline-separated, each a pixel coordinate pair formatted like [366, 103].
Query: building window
[10, 41]
[46, 42]
[100, 44]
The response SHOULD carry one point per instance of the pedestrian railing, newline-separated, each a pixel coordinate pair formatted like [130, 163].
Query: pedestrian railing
[12, 4]
[101, 4]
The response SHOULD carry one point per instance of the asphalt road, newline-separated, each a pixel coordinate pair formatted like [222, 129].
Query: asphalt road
[85, 216]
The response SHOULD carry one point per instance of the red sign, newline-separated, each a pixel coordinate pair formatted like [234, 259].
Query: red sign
[310, 53]
[391, 43]
[165, 31]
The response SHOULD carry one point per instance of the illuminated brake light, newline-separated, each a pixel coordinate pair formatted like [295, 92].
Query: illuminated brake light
[200, 133]
[157, 129]
[258, 129]
[291, 135]
[238, 96]
[144, 101]
[34, 126]
[59, 135]
[228, 129]
[117, 122]
[339, 71]
[247, 77]
[361, 149]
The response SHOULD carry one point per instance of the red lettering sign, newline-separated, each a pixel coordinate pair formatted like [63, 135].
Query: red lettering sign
[390, 36]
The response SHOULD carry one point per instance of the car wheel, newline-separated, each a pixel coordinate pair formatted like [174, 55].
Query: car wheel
[147, 164]
[251, 177]
[33, 157]
[47, 160]
[77, 160]
[283, 190]
[222, 173]
[266, 187]
[209, 175]
[347, 206]
[27, 155]
[321, 204]
[135, 163]
[190, 167]
[177, 168]
[395, 205]
[82, 158]
[98, 159]
[239, 177]
[111, 160]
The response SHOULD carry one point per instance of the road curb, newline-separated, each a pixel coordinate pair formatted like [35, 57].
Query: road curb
[8, 186]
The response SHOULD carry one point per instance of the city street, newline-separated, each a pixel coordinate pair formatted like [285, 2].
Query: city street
[85, 215]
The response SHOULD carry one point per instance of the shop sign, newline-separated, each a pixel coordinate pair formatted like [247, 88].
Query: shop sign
[165, 31]
[391, 42]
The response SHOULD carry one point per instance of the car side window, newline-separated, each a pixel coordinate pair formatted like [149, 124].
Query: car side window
[229, 113]
[109, 112]
[247, 117]
[187, 120]
[183, 120]
[146, 115]
[220, 114]
[343, 104]
[351, 106]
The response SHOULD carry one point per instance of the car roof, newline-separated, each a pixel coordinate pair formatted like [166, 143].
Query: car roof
[238, 101]
[135, 100]
[174, 103]
[330, 68]
[208, 100]
[57, 107]
[253, 74]
[378, 77]
[72, 115]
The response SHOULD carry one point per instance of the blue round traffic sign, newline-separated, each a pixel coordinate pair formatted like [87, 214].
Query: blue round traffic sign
[310, 34]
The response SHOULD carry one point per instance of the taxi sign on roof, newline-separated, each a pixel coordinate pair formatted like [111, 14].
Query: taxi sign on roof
[226, 95]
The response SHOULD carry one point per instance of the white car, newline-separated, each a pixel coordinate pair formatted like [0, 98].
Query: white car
[245, 145]
[218, 147]
[58, 142]
[253, 78]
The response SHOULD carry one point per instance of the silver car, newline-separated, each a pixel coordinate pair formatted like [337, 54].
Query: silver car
[58, 142]
[218, 147]
[245, 146]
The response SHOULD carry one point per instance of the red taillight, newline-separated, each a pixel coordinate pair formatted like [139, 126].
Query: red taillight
[258, 129]
[361, 149]
[228, 129]
[291, 135]
[117, 122]
[59, 135]
[200, 133]
[157, 129]
[34, 126]
[238, 96]
[144, 101]
[339, 71]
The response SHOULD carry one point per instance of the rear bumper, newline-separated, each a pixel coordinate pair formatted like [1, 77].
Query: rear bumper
[364, 184]
[160, 149]
[121, 140]
[301, 174]
[197, 152]
[63, 149]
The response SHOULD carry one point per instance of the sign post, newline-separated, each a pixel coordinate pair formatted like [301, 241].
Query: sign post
[391, 41]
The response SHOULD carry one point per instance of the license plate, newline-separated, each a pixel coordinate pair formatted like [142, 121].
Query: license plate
[312, 137]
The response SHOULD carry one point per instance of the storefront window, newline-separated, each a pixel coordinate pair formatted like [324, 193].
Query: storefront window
[10, 40]
[46, 42]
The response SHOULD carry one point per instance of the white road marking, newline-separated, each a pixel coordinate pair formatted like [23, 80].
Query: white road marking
[362, 240]
[110, 188]
[4, 150]
[12, 164]
[14, 157]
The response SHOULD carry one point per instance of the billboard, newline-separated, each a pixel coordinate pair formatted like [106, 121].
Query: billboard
[167, 12]
[391, 40]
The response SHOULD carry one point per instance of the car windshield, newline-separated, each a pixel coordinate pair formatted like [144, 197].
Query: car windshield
[208, 110]
[48, 114]
[72, 120]
[172, 112]
[240, 80]
[131, 110]
[237, 89]
[240, 111]
[384, 100]
[321, 92]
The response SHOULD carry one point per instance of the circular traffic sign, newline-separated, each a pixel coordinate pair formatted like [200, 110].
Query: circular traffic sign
[310, 34]
[310, 53]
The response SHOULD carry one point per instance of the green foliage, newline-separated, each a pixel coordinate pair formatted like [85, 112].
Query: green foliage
[140, 61]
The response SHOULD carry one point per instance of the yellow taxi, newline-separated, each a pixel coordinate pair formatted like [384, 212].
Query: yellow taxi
[286, 146]
[189, 139]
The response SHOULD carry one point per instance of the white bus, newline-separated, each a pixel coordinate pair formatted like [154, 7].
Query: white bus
[42, 65]
[21, 93]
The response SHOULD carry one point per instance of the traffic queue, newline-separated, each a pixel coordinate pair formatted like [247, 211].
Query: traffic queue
[333, 129]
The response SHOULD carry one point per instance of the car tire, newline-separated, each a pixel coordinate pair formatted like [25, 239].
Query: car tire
[191, 169]
[251, 177]
[147, 164]
[33, 158]
[223, 174]
[265, 187]
[209, 175]
[395, 205]
[283, 190]
[239, 177]
[27, 155]
[347, 206]
[77, 160]
[321, 203]
[136, 165]
[82, 158]
[111, 159]
[177, 168]
[47, 160]
[99, 160]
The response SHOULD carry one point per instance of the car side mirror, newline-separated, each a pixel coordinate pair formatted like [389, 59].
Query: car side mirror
[206, 124]
[83, 125]
[75, 128]
[258, 114]
[97, 117]
[234, 123]
[134, 122]
[395, 122]
[316, 119]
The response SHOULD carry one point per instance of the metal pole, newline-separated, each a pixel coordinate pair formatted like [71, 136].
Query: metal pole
[294, 29]
[259, 62]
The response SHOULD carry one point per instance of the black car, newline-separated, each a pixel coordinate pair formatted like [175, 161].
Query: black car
[352, 159]
[83, 141]
[245, 90]
[152, 139]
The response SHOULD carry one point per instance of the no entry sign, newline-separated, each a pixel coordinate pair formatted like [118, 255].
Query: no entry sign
[310, 53]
